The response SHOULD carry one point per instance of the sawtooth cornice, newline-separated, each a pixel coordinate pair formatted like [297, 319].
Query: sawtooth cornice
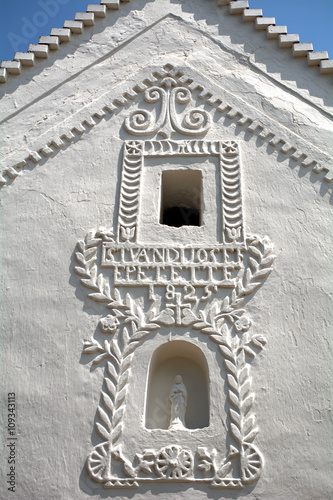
[226, 105]
[49, 44]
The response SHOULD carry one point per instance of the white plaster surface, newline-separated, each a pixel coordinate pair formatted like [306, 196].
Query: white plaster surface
[45, 312]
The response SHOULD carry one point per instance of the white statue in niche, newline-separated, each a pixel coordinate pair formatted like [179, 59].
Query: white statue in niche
[178, 398]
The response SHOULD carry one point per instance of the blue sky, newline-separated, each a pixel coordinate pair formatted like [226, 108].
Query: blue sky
[23, 21]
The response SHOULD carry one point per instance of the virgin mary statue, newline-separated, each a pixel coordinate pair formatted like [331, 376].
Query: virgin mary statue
[178, 398]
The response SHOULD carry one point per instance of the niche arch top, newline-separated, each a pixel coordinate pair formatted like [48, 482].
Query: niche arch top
[174, 358]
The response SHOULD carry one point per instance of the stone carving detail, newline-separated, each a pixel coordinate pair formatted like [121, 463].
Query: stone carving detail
[174, 462]
[134, 156]
[200, 287]
[250, 120]
[168, 93]
[223, 321]
[129, 195]
[178, 399]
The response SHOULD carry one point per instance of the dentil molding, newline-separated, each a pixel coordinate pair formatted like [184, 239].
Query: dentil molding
[153, 85]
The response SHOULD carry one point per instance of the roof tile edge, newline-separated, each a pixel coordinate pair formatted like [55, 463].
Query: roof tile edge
[95, 11]
[57, 36]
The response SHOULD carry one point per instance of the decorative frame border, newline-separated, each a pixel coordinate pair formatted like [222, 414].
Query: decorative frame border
[230, 177]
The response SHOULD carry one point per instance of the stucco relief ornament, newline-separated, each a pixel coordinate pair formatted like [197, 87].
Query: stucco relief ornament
[167, 120]
[159, 288]
[178, 398]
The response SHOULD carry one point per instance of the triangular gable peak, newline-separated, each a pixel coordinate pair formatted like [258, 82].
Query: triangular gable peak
[243, 88]
[224, 107]
[177, 116]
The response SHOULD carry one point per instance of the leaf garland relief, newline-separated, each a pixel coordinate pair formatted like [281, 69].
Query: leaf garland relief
[223, 321]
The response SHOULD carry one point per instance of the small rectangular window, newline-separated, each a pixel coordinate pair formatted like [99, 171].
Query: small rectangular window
[181, 203]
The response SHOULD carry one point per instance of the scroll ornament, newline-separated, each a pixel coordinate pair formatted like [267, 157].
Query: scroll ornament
[167, 121]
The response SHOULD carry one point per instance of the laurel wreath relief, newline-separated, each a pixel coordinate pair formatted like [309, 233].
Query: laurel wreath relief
[225, 324]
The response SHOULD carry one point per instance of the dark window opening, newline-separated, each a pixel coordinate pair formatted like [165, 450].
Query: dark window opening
[181, 216]
[181, 203]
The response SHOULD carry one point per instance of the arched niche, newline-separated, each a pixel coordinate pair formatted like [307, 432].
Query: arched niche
[170, 359]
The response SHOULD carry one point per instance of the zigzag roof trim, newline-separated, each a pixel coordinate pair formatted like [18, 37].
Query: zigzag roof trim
[95, 11]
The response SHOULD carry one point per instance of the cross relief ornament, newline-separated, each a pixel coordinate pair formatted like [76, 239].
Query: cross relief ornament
[161, 288]
[177, 311]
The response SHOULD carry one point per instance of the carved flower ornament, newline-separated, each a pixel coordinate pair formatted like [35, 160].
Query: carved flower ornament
[174, 462]
[234, 233]
[134, 147]
[109, 324]
[127, 233]
[230, 147]
[243, 324]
